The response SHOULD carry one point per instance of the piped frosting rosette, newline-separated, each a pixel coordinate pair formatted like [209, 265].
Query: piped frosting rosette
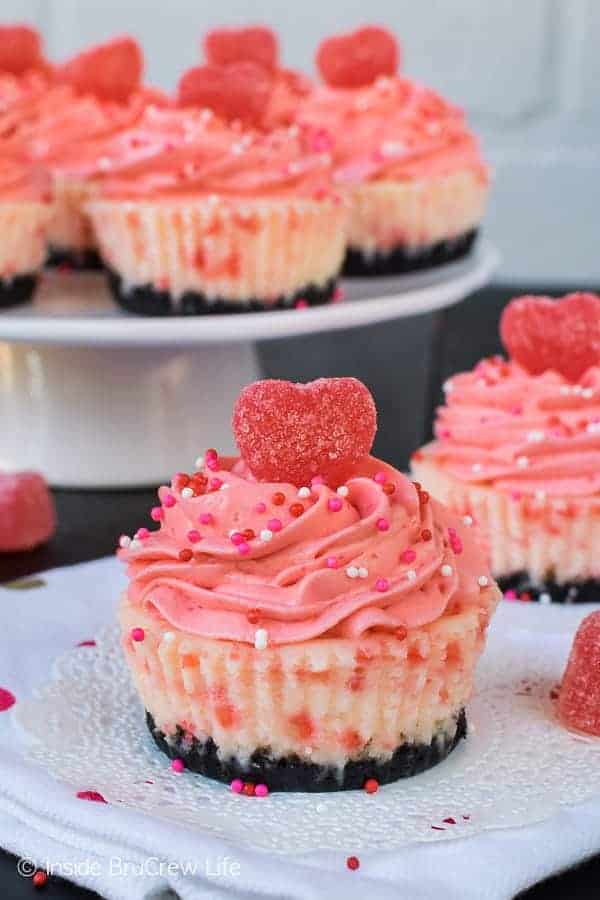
[518, 445]
[279, 615]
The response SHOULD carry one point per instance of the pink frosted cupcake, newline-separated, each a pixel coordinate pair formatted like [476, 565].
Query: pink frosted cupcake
[228, 221]
[518, 449]
[413, 168]
[298, 630]
[25, 214]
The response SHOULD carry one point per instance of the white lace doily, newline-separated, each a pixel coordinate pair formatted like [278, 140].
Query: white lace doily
[86, 727]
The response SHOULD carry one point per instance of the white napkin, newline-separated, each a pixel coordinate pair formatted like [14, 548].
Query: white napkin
[123, 854]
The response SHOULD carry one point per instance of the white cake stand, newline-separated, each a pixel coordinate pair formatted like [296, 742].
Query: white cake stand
[93, 397]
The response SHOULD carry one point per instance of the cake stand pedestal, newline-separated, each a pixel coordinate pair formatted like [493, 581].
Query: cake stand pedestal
[94, 398]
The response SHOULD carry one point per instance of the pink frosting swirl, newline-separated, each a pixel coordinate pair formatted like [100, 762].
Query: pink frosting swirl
[395, 129]
[222, 159]
[522, 433]
[326, 566]
[22, 181]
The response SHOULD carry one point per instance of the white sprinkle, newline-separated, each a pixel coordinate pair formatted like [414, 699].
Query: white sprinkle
[587, 393]
[564, 390]
[135, 544]
[535, 437]
[446, 570]
[343, 491]
[199, 462]
[468, 520]
[483, 581]
[187, 492]
[124, 541]
[169, 637]
[266, 535]
[352, 572]
[411, 575]
[540, 495]
[261, 638]
[448, 387]
[578, 389]
[476, 467]
[522, 461]
[225, 485]
[304, 492]
[363, 573]
[545, 599]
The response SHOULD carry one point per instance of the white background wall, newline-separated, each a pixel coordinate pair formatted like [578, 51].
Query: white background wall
[527, 71]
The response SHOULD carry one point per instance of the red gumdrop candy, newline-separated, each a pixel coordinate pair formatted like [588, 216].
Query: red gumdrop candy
[542, 333]
[111, 71]
[27, 516]
[223, 46]
[20, 49]
[237, 91]
[291, 432]
[579, 697]
[358, 58]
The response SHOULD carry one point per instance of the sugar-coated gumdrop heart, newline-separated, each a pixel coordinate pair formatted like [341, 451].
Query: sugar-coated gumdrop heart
[579, 697]
[257, 44]
[541, 333]
[237, 91]
[357, 59]
[292, 432]
[20, 49]
[27, 516]
[110, 71]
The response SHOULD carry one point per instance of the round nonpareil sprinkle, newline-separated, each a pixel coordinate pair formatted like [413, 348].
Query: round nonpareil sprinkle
[266, 535]
[236, 786]
[382, 585]
[343, 490]
[178, 766]
[382, 524]
[446, 570]
[304, 493]
[411, 575]
[157, 513]
[135, 544]
[194, 536]
[522, 462]
[408, 555]
[363, 572]
[334, 504]
[380, 478]
[185, 555]
[124, 541]
[199, 464]
[215, 483]
[371, 786]
[187, 493]
[261, 790]
[352, 572]
[260, 507]
[353, 863]
[138, 634]
[296, 510]
[278, 498]
[483, 581]
[205, 519]
[275, 524]
[332, 562]
[467, 520]
[243, 548]
[169, 501]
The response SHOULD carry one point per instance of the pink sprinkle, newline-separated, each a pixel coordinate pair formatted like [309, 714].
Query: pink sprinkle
[237, 786]
[408, 555]
[237, 538]
[215, 483]
[89, 643]
[142, 534]
[94, 796]
[317, 479]
[510, 594]
[169, 501]
[194, 536]
[243, 548]
[178, 766]
[274, 525]
[7, 699]
[205, 519]
[211, 454]
[382, 524]
[444, 433]
[380, 478]
[382, 584]
[301, 303]
[261, 507]
[334, 504]
[331, 562]
[138, 634]
[261, 790]
[157, 513]
[212, 464]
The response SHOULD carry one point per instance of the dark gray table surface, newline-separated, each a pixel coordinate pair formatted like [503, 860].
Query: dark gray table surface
[404, 363]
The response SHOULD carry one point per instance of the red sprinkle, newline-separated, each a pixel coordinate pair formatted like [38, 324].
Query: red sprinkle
[426, 534]
[296, 509]
[401, 633]
[185, 555]
[248, 534]
[40, 879]
[371, 786]
[408, 555]
[194, 536]
[278, 498]
[423, 497]
[248, 789]
[388, 488]
[253, 615]
[353, 862]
